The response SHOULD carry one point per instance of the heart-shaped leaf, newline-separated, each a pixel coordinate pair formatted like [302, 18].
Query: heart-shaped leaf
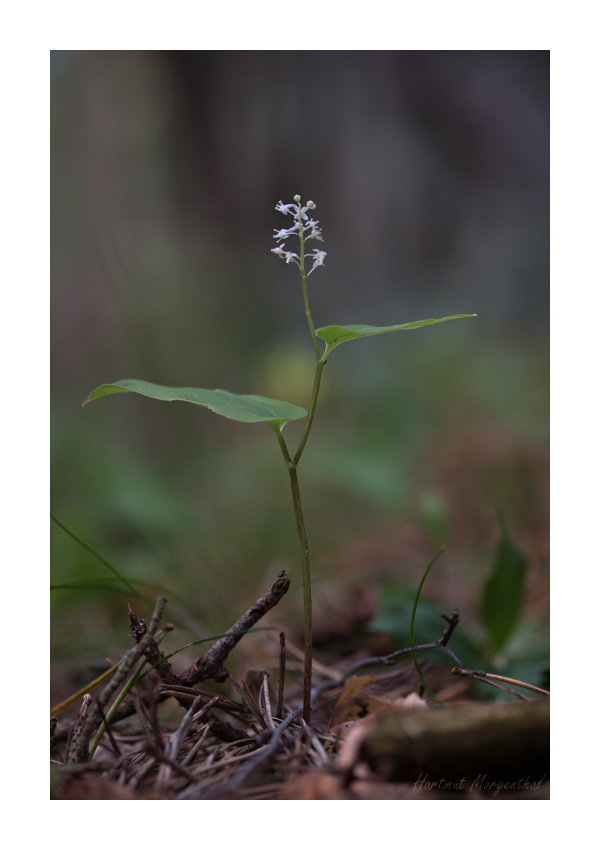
[242, 408]
[335, 335]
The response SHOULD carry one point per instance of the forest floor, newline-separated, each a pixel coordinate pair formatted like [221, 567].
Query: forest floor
[375, 732]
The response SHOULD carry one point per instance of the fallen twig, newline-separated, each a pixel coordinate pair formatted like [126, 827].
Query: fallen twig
[124, 670]
[482, 676]
[156, 657]
[93, 684]
[211, 665]
[452, 621]
[78, 730]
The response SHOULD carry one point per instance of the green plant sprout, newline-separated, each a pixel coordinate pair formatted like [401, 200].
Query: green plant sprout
[254, 408]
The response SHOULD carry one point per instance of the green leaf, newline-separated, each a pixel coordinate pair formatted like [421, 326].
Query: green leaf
[242, 408]
[503, 592]
[335, 335]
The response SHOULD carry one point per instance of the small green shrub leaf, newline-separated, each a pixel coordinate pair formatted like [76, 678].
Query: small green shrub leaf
[335, 335]
[241, 408]
[503, 591]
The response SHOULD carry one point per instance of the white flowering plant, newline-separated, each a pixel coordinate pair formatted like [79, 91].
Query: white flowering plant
[255, 408]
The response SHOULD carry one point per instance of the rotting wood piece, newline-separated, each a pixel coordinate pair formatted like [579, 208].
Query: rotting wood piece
[503, 742]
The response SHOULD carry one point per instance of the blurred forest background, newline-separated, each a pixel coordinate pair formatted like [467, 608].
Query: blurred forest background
[430, 172]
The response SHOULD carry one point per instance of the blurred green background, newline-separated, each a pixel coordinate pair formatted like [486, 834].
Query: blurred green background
[430, 174]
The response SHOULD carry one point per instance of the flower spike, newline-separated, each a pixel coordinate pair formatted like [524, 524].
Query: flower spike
[304, 227]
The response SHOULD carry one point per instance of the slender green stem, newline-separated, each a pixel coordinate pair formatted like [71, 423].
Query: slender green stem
[283, 446]
[293, 473]
[301, 528]
[306, 304]
[306, 590]
[311, 412]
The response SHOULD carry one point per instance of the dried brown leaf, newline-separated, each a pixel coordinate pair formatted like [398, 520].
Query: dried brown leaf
[354, 703]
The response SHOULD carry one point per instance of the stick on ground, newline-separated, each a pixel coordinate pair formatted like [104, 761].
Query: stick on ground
[211, 666]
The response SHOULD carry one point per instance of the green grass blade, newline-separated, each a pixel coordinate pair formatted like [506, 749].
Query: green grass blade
[95, 583]
[412, 621]
[103, 583]
[98, 557]
[109, 716]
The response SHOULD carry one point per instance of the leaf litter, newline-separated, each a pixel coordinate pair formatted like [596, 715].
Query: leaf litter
[235, 747]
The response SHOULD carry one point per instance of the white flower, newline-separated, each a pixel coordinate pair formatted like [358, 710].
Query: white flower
[283, 234]
[289, 256]
[319, 258]
[315, 232]
[285, 208]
